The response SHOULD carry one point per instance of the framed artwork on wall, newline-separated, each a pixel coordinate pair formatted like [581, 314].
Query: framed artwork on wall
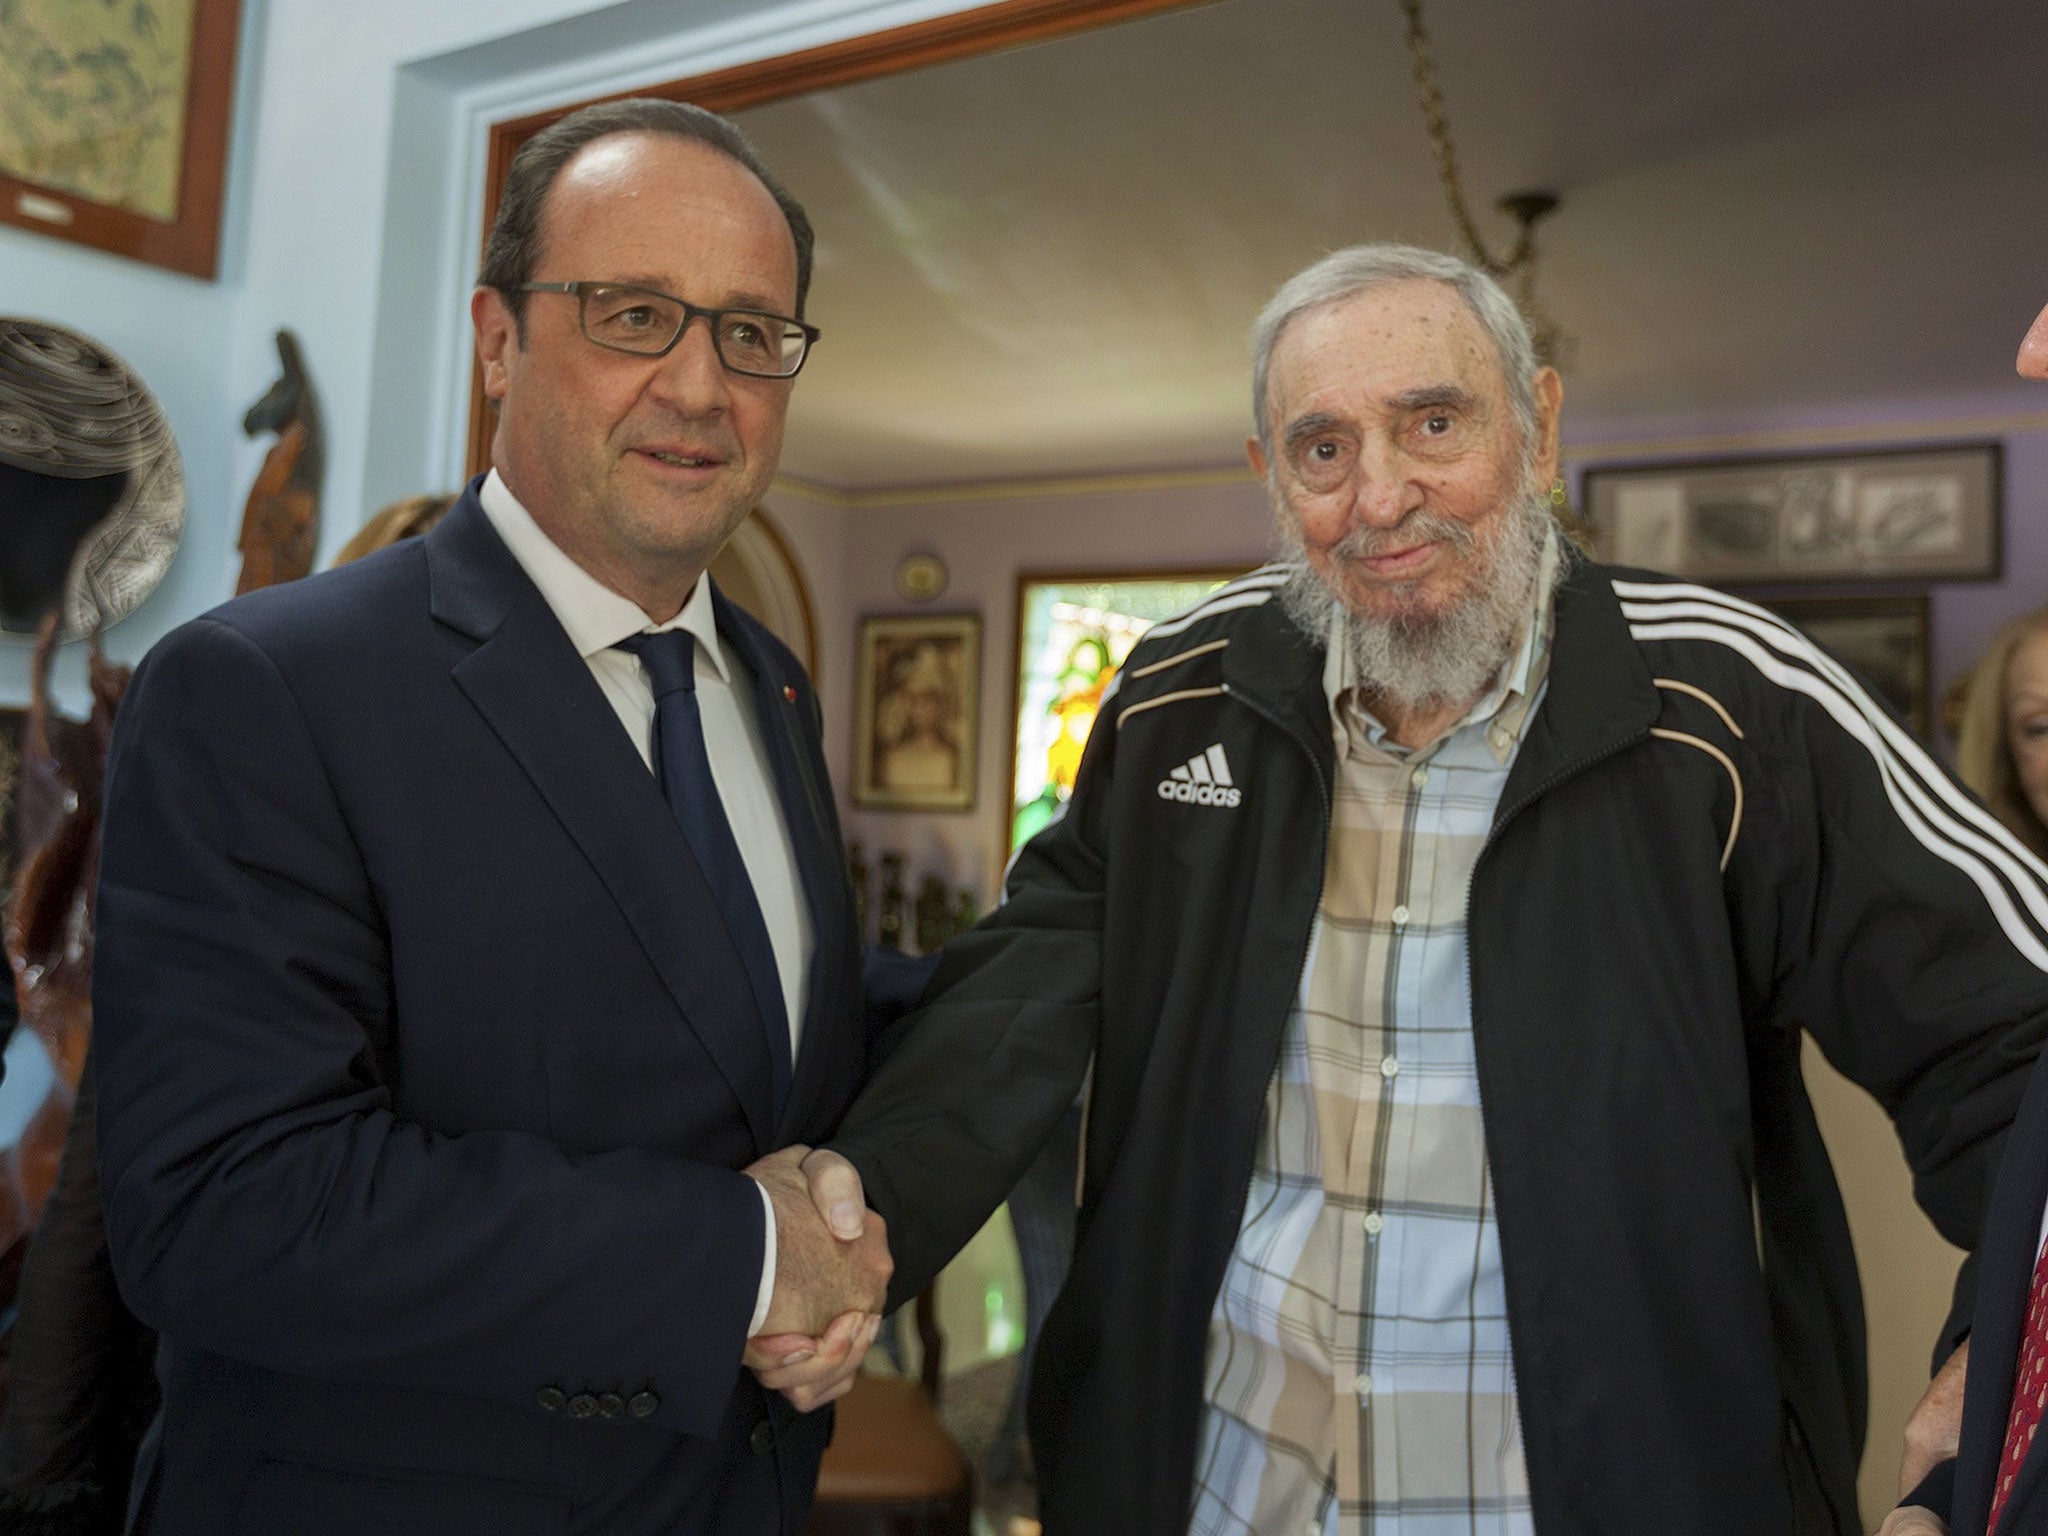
[1918, 514]
[115, 127]
[1882, 639]
[916, 712]
[1073, 632]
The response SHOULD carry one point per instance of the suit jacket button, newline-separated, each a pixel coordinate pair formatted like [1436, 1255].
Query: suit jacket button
[551, 1398]
[611, 1405]
[762, 1439]
[582, 1406]
[643, 1404]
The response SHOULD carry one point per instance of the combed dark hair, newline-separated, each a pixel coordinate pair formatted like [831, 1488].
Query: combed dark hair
[514, 245]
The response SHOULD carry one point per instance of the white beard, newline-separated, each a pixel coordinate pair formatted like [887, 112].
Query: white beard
[1439, 659]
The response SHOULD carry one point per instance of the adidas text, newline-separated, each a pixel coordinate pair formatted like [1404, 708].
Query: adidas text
[1203, 779]
[1199, 794]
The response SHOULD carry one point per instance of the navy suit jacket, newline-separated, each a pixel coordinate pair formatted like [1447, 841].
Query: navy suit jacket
[427, 1069]
[1961, 1490]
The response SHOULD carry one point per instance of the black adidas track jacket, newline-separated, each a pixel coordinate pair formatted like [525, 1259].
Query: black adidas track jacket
[1711, 841]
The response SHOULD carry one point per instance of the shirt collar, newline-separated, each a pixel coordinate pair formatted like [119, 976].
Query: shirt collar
[595, 617]
[1506, 703]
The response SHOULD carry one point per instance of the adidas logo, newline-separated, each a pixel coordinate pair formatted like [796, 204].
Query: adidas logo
[1203, 779]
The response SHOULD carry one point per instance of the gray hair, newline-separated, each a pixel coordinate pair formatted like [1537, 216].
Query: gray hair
[1360, 268]
[514, 245]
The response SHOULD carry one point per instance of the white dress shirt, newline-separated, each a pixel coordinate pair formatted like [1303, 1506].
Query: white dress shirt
[596, 619]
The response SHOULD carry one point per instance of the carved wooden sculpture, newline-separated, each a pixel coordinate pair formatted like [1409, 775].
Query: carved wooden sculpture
[48, 926]
[281, 523]
[79, 1392]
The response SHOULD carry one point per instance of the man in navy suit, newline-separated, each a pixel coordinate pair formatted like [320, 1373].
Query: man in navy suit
[473, 924]
[1970, 1449]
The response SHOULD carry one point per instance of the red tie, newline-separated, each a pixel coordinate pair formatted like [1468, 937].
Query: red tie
[2029, 1389]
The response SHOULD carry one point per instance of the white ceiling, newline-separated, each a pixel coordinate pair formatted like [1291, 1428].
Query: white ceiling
[1044, 261]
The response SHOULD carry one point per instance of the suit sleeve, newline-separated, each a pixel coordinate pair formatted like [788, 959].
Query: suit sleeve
[974, 1081]
[1915, 931]
[264, 1201]
[1936, 1490]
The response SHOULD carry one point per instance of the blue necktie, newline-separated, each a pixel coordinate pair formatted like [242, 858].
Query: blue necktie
[684, 768]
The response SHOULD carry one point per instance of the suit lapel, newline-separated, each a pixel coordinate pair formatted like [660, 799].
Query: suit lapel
[782, 709]
[538, 696]
[2006, 1254]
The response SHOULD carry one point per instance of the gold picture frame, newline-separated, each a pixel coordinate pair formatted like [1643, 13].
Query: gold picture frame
[917, 714]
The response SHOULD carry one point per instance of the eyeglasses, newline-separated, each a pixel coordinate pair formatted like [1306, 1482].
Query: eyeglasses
[648, 323]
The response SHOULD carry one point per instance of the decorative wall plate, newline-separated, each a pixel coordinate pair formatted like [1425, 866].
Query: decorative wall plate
[81, 435]
[921, 577]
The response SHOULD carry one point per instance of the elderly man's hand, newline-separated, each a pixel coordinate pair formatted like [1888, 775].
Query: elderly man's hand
[1936, 1427]
[832, 1270]
[1913, 1521]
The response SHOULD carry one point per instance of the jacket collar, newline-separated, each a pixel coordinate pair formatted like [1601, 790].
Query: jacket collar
[1600, 697]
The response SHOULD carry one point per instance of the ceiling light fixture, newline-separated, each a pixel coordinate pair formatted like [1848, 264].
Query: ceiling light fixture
[1518, 267]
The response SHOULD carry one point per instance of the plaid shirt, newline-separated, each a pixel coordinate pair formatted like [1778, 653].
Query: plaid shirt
[1359, 1379]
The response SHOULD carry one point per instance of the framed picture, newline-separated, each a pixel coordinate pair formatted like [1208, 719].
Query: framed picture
[1917, 514]
[915, 712]
[114, 129]
[1883, 640]
[1073, 632]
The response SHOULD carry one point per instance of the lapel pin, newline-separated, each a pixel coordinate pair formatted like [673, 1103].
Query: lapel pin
[789, 693]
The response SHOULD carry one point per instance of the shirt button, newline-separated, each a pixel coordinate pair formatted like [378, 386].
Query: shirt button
[1362, 1385]
[1389, 1067]
[1399, 915]
[1373, 1222]
[762, 1439]
[1419, 777]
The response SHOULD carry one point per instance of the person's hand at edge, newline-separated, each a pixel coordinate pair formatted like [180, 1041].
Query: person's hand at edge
[1913, 1521]
[1934, 1430]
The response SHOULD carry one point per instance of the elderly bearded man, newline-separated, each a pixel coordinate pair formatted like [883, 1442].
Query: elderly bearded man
[1447, 1164]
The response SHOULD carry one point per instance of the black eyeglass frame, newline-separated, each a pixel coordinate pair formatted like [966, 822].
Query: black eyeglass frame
[712, 317]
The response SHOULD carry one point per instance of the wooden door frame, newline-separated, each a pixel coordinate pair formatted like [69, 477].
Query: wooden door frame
[962, 35]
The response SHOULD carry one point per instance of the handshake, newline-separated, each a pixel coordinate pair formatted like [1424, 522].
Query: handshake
[832, 1269]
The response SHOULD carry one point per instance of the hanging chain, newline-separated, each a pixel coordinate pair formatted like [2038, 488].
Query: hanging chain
[1447, 156]
[1520, 262]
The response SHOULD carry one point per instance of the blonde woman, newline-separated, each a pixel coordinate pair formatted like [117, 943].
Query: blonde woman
[2000, 720]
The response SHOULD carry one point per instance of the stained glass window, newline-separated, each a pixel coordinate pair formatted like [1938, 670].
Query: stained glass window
[1073, 634]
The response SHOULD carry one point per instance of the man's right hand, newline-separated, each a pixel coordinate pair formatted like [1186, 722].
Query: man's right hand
[818, 1275]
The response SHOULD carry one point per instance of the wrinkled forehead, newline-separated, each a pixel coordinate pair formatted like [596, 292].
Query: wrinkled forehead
[1395, 337]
